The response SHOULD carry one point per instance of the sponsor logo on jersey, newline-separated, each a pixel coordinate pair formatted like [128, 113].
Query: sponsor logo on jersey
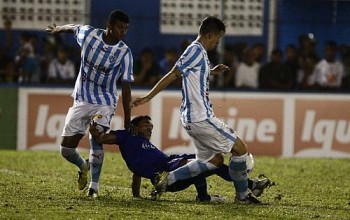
[112, 58]
[148, 145]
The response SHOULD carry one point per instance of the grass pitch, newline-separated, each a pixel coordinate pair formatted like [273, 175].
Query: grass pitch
[42, 185]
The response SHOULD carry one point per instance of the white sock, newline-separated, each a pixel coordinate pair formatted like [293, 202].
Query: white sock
[191, 169]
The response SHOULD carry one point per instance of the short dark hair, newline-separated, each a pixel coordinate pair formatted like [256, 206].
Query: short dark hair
[135, 121]
[117, 15]
[211, 24]
[291, 46]
[147, 50]
[331, 43]
[277, 52]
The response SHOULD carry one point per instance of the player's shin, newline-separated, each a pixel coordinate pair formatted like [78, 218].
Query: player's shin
[96, 161]
[223, 172]
[201, 187]
[199, 182]
[189, 170]
[239, 175]
[72, 155]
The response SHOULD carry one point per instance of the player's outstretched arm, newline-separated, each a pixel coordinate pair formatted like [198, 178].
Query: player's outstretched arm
[219, 69]
[100, 137]
[54, 29]
[126, 97]
[161, 85]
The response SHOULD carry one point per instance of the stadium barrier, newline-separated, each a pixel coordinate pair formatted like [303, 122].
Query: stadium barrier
[8, 117]
[272, 124]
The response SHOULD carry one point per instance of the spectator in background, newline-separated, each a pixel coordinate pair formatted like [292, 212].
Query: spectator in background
[146, 69]
[7, 65]
[307, 45]
[26, 60]
[259, 52]
[275, 74]
[215, 80]
[344, 51]
[35, 73]
[308, 59]
[168, 61]
[7, 68]
[61, 69]
[240, 49]
[306, 68]
[170, 57]
[292, 61]
[248, 71]
[329, 72]
[232, 56]
[184, 44]
[46, 57]
[230, 60]
[8, 35]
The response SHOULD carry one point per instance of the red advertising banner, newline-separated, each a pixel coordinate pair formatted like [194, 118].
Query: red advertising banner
[270, 124]
[322, 127]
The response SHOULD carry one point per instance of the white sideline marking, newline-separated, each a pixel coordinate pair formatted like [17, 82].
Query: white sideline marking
[10, 171]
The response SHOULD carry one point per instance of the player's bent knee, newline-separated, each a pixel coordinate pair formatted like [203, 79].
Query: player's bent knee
[217, 160]
[239, 148]
[71, 141]
[183, 162]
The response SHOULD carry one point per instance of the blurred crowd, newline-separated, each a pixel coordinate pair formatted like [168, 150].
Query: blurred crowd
[54, 63]
[294, 68]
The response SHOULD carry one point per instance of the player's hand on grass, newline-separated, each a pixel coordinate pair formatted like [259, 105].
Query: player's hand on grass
[219, 69]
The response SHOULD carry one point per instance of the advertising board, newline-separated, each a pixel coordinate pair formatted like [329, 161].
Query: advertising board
[271, 124]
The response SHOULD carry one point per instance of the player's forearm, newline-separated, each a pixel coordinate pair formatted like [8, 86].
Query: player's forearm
[163, 83]
[126, 96]
[135, 185]
[67, 28]
[107, 138]
[96, 135]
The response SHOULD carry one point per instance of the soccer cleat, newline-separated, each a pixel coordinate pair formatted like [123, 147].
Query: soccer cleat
[249, 199]
[154, 195]
[82, 176]
[212, 199]
[92, 193]
[160, 185]
[259, 185]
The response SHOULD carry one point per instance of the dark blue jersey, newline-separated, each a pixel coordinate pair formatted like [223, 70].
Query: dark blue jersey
[140, 155]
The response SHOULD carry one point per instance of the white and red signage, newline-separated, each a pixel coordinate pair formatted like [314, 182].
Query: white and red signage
[303, 125]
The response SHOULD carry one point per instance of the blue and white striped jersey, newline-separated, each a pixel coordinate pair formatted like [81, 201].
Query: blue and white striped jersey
[195, 68]
[101, 66]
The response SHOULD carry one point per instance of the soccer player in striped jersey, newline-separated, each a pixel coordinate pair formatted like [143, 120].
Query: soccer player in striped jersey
[211, 136]
[104, 59]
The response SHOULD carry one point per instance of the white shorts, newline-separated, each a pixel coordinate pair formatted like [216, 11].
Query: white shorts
[80, 114]
[211, 137]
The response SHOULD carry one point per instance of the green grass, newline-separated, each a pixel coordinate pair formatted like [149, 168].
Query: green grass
[41, 185]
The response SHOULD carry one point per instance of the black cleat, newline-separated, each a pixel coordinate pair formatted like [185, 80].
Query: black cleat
[249, 199]
[259, 185]
[92, 193]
